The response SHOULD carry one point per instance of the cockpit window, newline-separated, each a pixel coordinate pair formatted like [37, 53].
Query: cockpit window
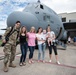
[41, 6]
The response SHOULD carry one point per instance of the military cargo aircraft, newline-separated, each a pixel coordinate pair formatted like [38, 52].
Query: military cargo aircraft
[38, 15]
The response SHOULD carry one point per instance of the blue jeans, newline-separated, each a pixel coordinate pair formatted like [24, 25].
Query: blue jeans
[41, 50]
[23, 47]
[31, 49]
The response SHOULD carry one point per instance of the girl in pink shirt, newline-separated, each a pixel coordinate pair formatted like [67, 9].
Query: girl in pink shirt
[31, 43]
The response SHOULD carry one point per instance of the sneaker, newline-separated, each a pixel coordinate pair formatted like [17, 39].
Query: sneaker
[58, 62]
[38, 61]
[30, 62]
[20, 64]
[24, 63]
[43, 61]
[50, 61]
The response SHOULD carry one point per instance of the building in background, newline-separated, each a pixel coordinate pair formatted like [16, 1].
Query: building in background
[69, 22]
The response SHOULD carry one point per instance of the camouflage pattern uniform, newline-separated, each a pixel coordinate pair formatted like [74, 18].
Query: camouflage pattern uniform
[10, 46]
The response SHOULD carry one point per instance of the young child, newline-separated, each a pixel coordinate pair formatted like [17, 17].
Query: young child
[44, 35]
[49, 38]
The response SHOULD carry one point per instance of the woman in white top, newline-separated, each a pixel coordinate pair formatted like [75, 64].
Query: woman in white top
[41, 43]
[52, 45]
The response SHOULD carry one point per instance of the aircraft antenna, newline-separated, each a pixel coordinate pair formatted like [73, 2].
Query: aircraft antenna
[38, 1]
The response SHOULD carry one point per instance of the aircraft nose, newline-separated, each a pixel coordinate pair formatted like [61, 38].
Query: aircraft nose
[25, 18]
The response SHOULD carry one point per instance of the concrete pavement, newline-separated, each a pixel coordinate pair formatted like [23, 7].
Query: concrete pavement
[67, 59]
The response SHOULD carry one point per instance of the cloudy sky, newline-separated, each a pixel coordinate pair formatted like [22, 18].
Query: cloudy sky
[8, 6]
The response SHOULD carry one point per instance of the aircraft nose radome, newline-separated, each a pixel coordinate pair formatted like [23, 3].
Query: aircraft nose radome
[25, 18]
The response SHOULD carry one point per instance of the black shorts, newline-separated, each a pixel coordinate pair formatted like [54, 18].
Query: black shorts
[54, 48]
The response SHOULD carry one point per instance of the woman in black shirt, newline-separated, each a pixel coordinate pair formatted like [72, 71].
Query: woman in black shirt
[23, 46]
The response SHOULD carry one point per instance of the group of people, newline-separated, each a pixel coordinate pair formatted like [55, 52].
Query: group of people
[28, 40]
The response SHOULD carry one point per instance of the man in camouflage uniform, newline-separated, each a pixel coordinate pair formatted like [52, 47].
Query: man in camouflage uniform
[10, 46]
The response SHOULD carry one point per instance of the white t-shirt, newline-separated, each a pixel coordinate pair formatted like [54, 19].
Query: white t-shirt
[51, 35]
[40, 37]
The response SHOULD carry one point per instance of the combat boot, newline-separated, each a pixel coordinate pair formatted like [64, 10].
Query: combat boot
[5, 68]
[12, 65]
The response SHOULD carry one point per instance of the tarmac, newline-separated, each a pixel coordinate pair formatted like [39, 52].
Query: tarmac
[66, 57]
